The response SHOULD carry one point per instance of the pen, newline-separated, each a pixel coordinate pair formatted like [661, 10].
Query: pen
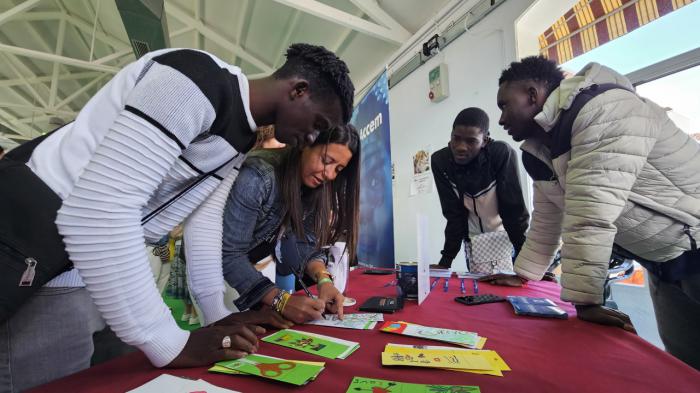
[461, 287]
[476, 287]
[434, 283]
[306, 289]
[447, 281]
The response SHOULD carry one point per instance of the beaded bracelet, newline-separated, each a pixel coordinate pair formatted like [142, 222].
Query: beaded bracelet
[283, 303]
[277, 299]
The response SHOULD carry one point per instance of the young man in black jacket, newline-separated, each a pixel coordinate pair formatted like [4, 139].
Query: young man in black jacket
[478, 184]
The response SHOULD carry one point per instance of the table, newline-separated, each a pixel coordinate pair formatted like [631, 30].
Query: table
[546, 355]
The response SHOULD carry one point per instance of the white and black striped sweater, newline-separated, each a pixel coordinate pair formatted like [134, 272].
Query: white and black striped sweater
[158, 125]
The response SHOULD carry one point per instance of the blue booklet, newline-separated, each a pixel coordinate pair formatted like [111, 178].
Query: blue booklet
[536, 307]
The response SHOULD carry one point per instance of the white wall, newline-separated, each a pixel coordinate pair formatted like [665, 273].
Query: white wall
[475, 61]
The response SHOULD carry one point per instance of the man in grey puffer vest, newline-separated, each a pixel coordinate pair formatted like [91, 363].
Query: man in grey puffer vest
[622, 175]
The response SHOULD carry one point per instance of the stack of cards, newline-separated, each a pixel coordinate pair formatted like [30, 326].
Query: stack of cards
[318, 344]
[414, 355]
[289, 371]
[360, 384]
[351, 321]
[459, 337]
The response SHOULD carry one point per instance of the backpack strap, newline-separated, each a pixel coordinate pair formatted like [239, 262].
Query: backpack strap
[561, 132]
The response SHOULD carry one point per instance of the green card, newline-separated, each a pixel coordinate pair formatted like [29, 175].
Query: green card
[272, 368]
[370, 385]
[326, 346]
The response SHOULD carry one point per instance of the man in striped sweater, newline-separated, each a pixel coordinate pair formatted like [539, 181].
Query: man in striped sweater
[167, 132]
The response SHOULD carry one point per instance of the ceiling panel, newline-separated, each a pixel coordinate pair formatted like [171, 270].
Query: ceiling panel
[258, 30]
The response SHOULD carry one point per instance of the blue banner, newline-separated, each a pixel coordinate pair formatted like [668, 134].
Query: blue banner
[371, 118]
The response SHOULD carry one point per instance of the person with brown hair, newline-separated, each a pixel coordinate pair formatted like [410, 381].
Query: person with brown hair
[312, 193]
[266, 139]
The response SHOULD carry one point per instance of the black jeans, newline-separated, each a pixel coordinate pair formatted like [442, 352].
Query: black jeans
[677, 308]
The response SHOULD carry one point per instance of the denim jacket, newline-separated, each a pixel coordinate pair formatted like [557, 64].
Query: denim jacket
[253, 214]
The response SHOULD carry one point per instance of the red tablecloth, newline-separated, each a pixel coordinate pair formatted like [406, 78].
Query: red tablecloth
[546, 355]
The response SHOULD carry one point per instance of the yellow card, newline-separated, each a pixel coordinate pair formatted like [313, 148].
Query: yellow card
[492, 357]
[481, 342]
[436, 359]
[495, 359]
[495, 373]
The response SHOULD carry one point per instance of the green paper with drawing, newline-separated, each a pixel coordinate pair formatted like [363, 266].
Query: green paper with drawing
[326, 346]
[272, 368]
[370, 385]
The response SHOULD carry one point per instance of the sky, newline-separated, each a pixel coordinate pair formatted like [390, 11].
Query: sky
[668, 36]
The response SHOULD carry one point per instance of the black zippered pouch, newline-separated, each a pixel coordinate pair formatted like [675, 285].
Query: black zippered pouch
[31, 250]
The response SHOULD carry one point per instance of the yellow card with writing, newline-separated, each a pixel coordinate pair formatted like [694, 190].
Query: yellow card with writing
[495, 360]
[434, 359]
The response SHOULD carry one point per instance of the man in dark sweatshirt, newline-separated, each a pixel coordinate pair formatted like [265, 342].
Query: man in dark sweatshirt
[478, 184]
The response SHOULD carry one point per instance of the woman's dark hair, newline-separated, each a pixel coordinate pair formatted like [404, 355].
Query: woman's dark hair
[334, 204]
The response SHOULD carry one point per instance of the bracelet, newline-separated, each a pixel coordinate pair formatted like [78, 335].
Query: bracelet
[323, 281]
[326, 272]
[283, 303]
[277, 299]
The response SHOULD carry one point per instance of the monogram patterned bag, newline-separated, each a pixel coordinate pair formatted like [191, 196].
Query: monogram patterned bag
[491, 253]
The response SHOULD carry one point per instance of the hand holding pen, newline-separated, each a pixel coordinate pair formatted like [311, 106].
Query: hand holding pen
[301, 309]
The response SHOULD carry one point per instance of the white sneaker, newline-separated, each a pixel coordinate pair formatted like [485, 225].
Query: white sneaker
[185, 317]
[194, 320]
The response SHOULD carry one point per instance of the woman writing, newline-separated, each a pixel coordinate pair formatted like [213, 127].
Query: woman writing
[313, 193]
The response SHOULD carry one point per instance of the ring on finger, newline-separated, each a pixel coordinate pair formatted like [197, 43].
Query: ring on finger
[226, 342]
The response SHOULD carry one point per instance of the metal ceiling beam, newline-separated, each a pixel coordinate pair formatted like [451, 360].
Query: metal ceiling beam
[44, 79]
[345, 38]
[215, 36]
[21, 129]
[29, 120]
[342, 18]
[80, 91]
[243, 26]
[32, 90]
[33, 108]
[38, 15]
[377, 13]
[87, 27]
[113, 56]
[182, 31]
[55, 58]
[16, 137]
[291, 26]
[18, 9]
[198, 12]
[59, 52]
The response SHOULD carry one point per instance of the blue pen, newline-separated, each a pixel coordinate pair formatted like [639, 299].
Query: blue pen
[476, 287]
[447, 280]
[461, 287]
[434, 283]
